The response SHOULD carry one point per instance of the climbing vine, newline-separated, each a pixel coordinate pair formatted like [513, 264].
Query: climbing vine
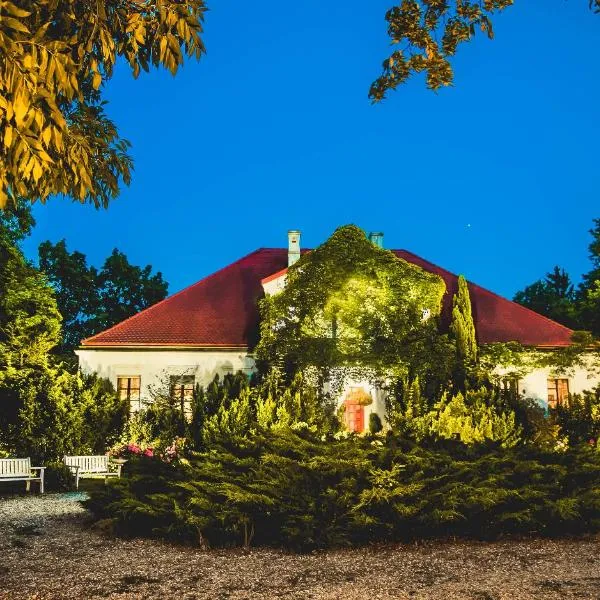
[351, 307]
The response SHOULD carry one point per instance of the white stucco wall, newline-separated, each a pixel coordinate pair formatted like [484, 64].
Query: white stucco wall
[275, 285]
[154, 366]
[535, 383]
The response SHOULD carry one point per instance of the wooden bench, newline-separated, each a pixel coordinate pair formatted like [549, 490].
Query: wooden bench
[20, 469]
[92, 466]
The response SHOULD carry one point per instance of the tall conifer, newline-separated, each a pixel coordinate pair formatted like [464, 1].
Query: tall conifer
[462, 325]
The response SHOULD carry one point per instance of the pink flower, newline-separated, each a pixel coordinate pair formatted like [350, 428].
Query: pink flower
[148, 452]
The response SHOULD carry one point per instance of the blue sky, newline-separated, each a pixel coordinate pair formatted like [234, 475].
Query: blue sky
[495, 178]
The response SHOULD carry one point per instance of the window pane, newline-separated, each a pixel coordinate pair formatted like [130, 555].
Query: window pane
[563, 390]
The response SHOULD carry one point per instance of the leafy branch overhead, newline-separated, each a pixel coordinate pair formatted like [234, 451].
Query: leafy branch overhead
[427, 34]
[55, 137]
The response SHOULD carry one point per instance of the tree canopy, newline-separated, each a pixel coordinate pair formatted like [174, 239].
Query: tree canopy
[56, 55]
[556, 296]
[91, 300]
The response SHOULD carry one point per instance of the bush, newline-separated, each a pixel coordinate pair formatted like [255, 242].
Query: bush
[579, 418]
[58, 477]
[284, 489]
[375, 425]
[50, 412]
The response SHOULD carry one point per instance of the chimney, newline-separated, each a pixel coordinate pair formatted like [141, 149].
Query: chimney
[293, 246]
[376, 238]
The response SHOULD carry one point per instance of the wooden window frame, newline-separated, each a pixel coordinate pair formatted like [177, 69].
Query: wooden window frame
[183, 391]
[129, 389]
[555, 384]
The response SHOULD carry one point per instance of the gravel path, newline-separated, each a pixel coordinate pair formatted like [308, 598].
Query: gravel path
[47, 551]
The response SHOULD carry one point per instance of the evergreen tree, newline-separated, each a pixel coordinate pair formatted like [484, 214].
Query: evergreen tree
[45, 411]
[463, 330]
[473, 418]
[588, 293]
[553, 297]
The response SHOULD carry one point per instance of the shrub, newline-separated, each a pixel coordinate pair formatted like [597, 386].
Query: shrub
[375, 425]
[58, 477]
[579, 418]
[473, 418]
[284, 489]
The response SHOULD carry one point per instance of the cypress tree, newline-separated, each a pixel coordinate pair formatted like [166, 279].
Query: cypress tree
[462, 325]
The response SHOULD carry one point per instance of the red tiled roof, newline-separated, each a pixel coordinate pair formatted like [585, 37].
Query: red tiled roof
[220, 311]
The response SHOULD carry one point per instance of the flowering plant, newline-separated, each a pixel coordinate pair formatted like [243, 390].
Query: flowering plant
[173, 452]
[130, 450]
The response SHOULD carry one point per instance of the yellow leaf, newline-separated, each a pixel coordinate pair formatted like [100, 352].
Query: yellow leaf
[45, 156]
[47, 135]
[37, 171]
[21, 106]
[14, 24]
[96, 80]
[28, 165]
[15, 11]
[8, 136]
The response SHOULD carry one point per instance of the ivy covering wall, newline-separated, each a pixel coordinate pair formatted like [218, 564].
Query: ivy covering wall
[350, 306]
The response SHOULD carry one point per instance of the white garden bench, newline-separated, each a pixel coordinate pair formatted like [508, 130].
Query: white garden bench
[92, 466]
[20, 469]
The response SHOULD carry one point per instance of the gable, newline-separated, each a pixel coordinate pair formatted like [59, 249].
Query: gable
[220, 311]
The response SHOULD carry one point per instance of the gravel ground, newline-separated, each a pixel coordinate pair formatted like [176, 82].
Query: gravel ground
[48, 551]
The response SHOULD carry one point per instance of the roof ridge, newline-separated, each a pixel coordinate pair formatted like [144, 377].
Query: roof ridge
[490, 291]
[185, 289]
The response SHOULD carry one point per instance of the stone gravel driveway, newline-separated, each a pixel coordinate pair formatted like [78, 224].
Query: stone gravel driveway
[48, 551]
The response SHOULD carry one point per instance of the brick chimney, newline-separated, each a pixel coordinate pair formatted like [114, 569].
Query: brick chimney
[293, 246]
[376, 238]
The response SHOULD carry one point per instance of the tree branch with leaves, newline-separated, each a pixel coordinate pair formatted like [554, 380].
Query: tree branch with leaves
[55, 137]
[427, 34]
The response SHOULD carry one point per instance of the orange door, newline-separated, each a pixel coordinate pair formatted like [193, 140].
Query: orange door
[355, 417]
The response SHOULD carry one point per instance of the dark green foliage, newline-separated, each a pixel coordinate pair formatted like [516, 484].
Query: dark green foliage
[103, 414]
[16, 222]
[291, 490]
[579, 418]
[552, 297]
[58, 477]
[588, 293]
[556, 298]
[125, 289]
[375, 425]
[45, 410]
[91, 300]
[48, 412]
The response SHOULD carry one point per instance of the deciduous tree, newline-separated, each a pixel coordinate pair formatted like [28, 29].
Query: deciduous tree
[91, 300]
[56, 56]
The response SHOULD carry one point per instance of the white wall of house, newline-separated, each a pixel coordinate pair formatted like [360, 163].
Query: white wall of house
[535, 383]
[155, 366]
[274, 286]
